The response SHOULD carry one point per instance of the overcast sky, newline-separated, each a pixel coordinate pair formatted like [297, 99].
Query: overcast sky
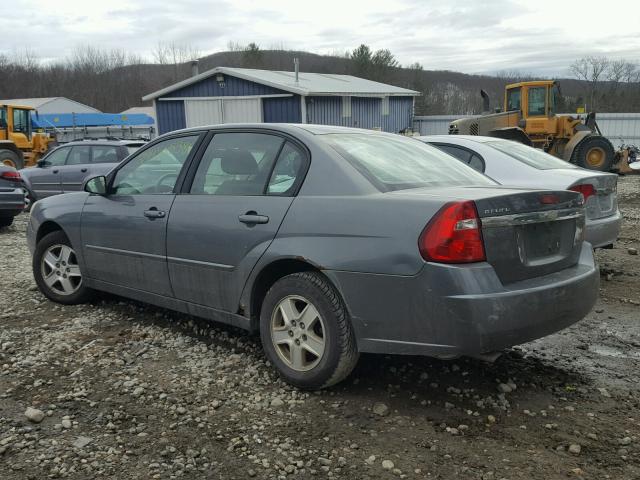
[487, 36]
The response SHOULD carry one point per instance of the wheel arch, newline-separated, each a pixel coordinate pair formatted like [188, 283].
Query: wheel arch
[48, 227]
[267, 276]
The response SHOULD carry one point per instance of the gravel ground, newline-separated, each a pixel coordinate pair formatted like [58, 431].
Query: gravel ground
[118, 389]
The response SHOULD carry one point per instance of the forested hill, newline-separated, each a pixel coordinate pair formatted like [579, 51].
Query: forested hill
[114, 80]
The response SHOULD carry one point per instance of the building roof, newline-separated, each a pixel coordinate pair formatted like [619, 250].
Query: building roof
[308, 83]
[39, 102]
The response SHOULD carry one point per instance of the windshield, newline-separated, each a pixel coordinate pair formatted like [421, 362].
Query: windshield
[533, 157]
[396, 162]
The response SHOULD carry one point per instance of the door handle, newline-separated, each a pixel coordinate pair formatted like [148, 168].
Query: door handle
[83, 170]
[252, 218]
[55, 171]
[153, 212]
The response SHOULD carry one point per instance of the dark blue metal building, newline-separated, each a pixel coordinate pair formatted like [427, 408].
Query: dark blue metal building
[237, 95]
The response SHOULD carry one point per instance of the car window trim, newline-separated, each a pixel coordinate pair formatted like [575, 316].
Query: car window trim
[193, 168]
[466, 149]
[195, 149]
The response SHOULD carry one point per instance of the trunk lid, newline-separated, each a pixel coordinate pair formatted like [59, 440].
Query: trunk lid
[526, 233]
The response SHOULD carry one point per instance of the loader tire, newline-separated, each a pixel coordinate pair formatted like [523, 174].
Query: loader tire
[11, 159]
[595, 153]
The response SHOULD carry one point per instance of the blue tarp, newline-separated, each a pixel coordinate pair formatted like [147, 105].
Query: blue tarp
[66, 120]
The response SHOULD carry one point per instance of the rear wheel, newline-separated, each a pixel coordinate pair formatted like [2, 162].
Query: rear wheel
[306, 332]
[57, 272]
[11, 159]
[595, 153]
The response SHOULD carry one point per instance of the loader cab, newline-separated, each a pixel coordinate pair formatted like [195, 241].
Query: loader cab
[535, 103]
[15, 124]
[532, 99]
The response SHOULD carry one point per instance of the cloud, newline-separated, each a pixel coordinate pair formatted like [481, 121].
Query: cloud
[467, 35]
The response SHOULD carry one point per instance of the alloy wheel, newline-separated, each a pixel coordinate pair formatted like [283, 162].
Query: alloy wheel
[298, 333]
[60, 270]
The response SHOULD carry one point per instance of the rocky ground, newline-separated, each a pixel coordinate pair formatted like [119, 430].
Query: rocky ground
[117, 389]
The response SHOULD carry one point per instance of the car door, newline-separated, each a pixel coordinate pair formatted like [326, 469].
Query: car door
[224, 221]
[45, 178]
[76, 168]
[124, 231]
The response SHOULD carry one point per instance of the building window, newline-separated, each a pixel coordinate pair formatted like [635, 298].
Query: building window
[346, 106]
[385, 105]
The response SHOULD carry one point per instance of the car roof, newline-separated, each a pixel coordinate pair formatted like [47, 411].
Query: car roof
[283, 127]
[473, 138]
[123, 143]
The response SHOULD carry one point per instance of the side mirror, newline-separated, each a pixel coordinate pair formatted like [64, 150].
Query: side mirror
[96, 185]
[42, 163]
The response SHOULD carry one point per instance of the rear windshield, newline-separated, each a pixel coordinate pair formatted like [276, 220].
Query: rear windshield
[396, 162]
[533, 157]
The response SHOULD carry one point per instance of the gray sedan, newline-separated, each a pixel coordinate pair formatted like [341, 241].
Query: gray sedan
[512, 163]
[67, 167]
[327, 241]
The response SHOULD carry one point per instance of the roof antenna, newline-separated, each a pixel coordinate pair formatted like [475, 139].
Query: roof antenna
[296, 67]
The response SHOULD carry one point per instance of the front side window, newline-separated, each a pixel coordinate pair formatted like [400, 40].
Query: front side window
[537, 100]
[534, 157]
[3, 118]
[154, 170]
[21, 121]
[56, 157]
[104, 154]
[513, 99]
[80, 155]
[396, 163]
[236, 164]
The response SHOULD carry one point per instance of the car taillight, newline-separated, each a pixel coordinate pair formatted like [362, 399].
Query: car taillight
[11, 175]
[586, 189]
[453, 235]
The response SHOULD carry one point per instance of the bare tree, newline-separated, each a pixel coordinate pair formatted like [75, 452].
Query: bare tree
[592, 70]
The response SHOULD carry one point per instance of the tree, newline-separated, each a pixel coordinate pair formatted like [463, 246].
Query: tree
[252, 55]
[361, 58]
[592, 70]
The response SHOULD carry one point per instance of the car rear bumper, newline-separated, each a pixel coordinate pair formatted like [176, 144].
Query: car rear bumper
[603, 231]
[452, 310]
[11, 201]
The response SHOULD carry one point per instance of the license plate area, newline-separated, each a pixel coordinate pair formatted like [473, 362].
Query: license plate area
[546, 242]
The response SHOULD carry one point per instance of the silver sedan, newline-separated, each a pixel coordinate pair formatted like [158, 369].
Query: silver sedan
[515, 164]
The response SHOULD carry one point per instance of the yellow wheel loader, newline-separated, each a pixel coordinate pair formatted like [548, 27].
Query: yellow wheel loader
[19, 146]
[530, 117]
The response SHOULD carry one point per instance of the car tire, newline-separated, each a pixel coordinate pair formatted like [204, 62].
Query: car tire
[11, 159]
[5, 221]
[57, 272]
[310, 297]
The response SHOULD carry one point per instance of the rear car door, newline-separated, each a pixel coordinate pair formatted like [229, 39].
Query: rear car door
[229, 214]
[124, 232]
[76, 168]
[45, 178]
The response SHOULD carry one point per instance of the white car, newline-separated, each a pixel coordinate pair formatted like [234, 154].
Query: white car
[514, 164]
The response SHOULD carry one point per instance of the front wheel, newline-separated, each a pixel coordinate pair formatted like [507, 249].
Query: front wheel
[57, 272]
[306, 332]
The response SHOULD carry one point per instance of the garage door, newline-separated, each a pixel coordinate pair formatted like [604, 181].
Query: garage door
[211, 112]
[241, 110]
[202, 112]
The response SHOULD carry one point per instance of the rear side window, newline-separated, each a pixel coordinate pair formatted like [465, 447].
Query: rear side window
[237, 164]
[467, 156]
[533, 157]
[288, 170]
[537, 100]
[80, 154]
[104, 154]
[393, 162]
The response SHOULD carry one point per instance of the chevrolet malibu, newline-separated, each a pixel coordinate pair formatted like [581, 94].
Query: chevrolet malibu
[327, 241]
